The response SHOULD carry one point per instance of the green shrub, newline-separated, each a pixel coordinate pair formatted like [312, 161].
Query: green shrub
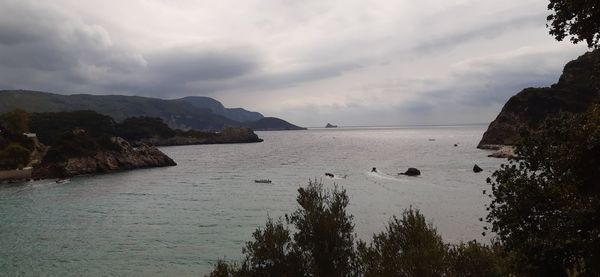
[409, 247]
[474, 259]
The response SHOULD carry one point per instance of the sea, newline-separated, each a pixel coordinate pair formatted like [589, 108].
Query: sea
[179, 221]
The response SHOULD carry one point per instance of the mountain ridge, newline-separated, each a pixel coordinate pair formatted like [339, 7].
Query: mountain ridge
[177, 113]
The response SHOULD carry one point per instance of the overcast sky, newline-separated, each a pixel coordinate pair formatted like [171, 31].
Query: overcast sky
[310, 62]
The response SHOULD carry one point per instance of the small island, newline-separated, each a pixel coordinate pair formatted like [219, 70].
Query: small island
[329, 125]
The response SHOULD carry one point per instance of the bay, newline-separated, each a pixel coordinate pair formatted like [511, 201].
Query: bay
[178, 221]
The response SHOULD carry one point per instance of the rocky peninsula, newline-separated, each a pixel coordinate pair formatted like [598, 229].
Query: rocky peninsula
[227, 135]
[119, 156]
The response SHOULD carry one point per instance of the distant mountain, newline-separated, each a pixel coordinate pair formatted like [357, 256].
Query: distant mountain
[237, 114]
[576, 90]
[178, 113]
[271, 124]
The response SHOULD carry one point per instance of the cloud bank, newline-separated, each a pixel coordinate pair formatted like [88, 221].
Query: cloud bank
[311, 62]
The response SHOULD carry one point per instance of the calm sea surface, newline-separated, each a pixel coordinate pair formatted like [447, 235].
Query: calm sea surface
[178, 221]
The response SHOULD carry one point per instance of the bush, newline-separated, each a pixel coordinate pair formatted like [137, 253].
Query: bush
[474, 259]
[546, 204]
[409, 247]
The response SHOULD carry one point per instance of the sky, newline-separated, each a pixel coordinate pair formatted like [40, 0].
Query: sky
[352, 63]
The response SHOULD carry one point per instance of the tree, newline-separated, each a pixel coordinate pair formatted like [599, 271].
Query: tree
[14, 156]
[577, 19]
[409, 247]
[16, 121]
[271, 253]
[325, 237]
[546, 206]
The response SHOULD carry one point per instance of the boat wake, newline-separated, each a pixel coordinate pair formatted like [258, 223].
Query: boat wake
[382, 175]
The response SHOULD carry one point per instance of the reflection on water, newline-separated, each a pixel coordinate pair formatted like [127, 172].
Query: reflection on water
[180, 220]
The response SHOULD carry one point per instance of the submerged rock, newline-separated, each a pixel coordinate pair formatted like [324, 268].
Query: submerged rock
[411, 172]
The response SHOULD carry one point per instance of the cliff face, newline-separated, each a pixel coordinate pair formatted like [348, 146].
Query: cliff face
[576, 90]
[122, 156]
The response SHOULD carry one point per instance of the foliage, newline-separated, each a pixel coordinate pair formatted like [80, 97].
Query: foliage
[137, 128]
[547, 203]
[409, 247]
[16, 121]
[323, 245]
[577, 19]
[271, 253]
[14, 156]
[474, 259]
[49, 127]
[72, 145]
[325, 238]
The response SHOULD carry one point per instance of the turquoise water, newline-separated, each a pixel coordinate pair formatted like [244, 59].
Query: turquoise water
[178, 221]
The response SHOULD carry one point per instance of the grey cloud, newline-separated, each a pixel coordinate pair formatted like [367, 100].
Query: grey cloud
[179, 65]
[485, 31]
[490, 81]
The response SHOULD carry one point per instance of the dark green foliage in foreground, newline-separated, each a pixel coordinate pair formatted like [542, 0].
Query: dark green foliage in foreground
[323, 245]
[49, 127]
[409, 247]
[325, 237]
[137, 128]
[577, 19]
[546, 207]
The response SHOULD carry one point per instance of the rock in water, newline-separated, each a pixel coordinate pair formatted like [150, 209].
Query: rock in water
[477, 169]
[412, 172]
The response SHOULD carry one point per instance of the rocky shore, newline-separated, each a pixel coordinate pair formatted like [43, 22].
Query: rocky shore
[500, 151]
[122, 157]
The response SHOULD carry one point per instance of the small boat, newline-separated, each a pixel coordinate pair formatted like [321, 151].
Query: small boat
[330, 175]
[62, 180]
[263, 181]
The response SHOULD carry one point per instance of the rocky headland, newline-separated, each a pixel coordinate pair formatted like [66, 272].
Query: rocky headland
[576, 90]
[120, 155]
[227, 135]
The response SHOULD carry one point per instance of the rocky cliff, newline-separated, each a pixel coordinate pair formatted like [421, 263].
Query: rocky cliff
[577, 88]
[120, 156]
